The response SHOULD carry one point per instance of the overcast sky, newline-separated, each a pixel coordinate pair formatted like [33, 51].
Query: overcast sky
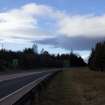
[56, 25]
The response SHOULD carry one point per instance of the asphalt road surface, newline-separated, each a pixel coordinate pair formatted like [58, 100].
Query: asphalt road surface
[9, 86]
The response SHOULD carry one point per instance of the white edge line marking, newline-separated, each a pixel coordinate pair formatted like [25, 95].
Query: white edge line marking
[28, 74]
[41, 78]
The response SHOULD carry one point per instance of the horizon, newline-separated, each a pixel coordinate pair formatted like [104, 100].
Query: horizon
[57, 26]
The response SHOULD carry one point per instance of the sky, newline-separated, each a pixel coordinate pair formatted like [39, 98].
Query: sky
[55, 25]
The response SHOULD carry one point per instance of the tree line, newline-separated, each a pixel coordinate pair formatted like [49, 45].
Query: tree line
[97, 57]
[29, 59]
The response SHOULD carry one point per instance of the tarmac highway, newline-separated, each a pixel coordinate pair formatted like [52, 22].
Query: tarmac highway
[10, 85]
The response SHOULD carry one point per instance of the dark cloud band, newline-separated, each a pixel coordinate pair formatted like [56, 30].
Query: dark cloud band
[75, 43]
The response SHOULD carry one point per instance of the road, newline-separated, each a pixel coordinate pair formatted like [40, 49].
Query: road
[10, 85]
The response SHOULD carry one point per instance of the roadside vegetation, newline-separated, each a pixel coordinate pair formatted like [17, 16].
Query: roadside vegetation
[75, 86]
[97, 57]
[30, 59]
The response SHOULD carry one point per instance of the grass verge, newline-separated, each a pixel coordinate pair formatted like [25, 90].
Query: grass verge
[76, 86]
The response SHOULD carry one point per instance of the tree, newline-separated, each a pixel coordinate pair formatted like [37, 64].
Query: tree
[35, 48]
[97, 57]
[28, 59]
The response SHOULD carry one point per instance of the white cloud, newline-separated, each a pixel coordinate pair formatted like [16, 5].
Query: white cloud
[81, 25]
[37, 10]
[25, 22]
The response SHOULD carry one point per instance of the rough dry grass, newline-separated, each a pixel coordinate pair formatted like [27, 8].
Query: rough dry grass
[76, 86]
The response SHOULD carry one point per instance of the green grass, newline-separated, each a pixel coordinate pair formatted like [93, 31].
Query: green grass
[77, 86]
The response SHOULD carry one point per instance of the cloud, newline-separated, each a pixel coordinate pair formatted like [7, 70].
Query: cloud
[75, 43]
[37, 9]
[81, 25]
[23, 22]
[49, 25]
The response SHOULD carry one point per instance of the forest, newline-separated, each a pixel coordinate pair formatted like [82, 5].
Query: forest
[29, 59]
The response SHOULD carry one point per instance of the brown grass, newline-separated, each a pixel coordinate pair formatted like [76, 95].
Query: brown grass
[76, 86]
